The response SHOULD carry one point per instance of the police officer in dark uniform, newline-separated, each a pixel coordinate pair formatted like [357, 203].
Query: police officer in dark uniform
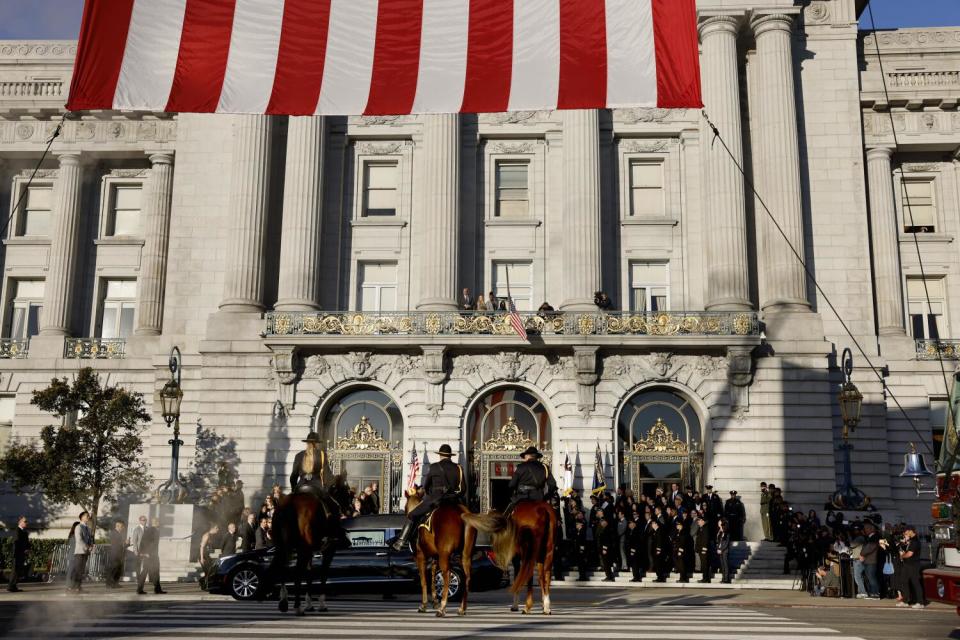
[443, 482]
[531, 480]
[309, 476]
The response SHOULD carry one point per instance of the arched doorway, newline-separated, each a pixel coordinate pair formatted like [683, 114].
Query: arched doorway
[363, 429]
[660, 437]
[499, 426]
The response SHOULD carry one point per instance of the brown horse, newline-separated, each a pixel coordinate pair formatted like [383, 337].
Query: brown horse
[448, 534]
[528, 531]
[301, 526]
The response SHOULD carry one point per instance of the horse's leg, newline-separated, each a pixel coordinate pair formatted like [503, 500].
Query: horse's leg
[324, 571]
[466, 562]
[516, 575]
[546, 570]
[444, 561]
[297, 579]
[433, 583]
[528, 604]
[307, 566]
[422, 568]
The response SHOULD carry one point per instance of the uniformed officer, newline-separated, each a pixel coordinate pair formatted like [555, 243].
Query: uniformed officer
[310, 473]
[531, 480]
[444, 481]
[702, 542]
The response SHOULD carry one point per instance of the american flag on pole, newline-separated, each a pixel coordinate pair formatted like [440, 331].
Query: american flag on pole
[515, 320]
[375, 57]
[414, 470]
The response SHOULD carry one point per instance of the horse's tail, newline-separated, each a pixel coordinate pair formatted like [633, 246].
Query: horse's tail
[528, 555]
[502, 530]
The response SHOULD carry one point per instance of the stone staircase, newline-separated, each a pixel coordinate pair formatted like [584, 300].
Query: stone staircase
[756, 565]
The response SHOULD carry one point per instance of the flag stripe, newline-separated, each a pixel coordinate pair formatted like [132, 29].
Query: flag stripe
[489, 56]
[631, 63]
[103, 38]
[202, 60]
[300, 61]
[678, 64]
[536, 55]
[252, 63]
[350, 46]
[396, 58]
[583, 54]
[443, 56]
[148, 64]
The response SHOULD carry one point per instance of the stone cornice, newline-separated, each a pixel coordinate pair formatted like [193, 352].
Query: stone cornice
[54, 50]
[947, 38]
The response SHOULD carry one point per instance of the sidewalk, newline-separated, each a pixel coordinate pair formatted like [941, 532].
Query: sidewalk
[93, 591]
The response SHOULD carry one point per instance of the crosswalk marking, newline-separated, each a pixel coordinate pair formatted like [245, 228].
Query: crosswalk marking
[212, 620]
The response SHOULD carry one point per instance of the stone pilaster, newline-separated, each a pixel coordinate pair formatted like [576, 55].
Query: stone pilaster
[302, 209]
[438, 204]
[883, 238]
[778, 176]
[153, 274]
[61, 275]
[728, 286]
[581, 209]
[249, 201]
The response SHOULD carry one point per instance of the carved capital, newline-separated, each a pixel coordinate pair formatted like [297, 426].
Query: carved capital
[772, 22]
[435, 365]
[716, 25]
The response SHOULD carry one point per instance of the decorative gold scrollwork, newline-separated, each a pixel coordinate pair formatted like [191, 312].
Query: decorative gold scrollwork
[282, 324]
[509, 438]
[660, 439]
[363, 438]
[742, 324]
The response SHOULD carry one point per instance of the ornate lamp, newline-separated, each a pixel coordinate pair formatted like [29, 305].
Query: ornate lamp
[172, 491]
[851, 402]
[847, 496]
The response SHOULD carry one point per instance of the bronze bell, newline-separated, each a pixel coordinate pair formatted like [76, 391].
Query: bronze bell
[914, 465]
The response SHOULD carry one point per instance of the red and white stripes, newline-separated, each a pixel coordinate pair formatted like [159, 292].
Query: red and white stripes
[349, 57]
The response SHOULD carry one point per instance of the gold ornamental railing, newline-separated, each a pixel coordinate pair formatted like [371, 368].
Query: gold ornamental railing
[94, 348]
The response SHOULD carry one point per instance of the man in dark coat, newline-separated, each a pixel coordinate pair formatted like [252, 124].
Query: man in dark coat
[247, 533]
[735, 515]
[582, 550]
[443, 482]
[682, 560]
[636, 552]
[228, 544]
[660, 550]
[118, 549]
[150, 553]
[702, 544]
[531, 480]
[21, 545]
[608, 546]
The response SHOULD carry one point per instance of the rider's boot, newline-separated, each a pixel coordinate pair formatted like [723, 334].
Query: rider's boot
[404, 537]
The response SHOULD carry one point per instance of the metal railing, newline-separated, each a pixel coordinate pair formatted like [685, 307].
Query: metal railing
[468, 323]
[936, 349]
[94, 348]
[10, 348]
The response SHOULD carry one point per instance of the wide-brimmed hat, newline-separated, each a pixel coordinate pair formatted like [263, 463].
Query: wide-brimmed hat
[444, 451]
[531, 451]
[313, 437]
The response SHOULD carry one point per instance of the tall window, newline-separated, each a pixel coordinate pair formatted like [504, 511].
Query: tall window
[926, 320]
[27, 306]
[378, 286]
[521, 283]
[119, 305]
[35, 211]
[938, 424]
[380, 188]
[649, 287]
[8, 404]
[646, 188]
[919, 206]
[513, 189]
[125, 210]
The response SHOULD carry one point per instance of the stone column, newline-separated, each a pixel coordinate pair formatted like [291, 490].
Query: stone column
[153, 274]
[249, 201]
[883, 237]
[778, 176]
[728, 286]
[438, 204]
[61, 274]
[302, 211]
[581, 209]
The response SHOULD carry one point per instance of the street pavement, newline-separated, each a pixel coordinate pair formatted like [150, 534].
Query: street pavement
[186, 613]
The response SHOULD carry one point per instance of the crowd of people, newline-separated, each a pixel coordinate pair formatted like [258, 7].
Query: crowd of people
[680, 531]
[493, 303]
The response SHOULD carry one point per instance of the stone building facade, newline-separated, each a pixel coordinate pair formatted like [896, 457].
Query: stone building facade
[310, 269]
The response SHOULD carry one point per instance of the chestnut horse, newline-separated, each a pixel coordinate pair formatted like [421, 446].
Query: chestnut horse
[529, 531]
[448, 534]
[301, 526]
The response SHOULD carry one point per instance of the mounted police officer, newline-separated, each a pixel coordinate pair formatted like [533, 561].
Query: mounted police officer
[443, 482]
[310, 473]
[531, 480]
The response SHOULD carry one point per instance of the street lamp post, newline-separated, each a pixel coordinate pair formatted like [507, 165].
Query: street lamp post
[850, 399]
[172, 491]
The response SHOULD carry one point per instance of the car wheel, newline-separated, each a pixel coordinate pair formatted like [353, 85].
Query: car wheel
[455, 589]
[244, 583]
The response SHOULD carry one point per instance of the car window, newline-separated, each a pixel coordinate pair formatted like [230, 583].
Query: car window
[367, 538]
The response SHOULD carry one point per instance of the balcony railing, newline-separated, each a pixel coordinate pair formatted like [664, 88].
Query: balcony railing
[936, 349]
[94, 348]
[428, 323]
[10, 348]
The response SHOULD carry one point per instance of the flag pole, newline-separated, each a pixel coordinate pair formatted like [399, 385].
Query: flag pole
[506, 268]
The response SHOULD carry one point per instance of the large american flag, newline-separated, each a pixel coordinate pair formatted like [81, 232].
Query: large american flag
[414, 476]
[353, 57]
[515, 319]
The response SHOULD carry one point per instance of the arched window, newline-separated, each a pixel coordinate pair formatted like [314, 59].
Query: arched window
[493, 410]
[363, 429]
[661, 440]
